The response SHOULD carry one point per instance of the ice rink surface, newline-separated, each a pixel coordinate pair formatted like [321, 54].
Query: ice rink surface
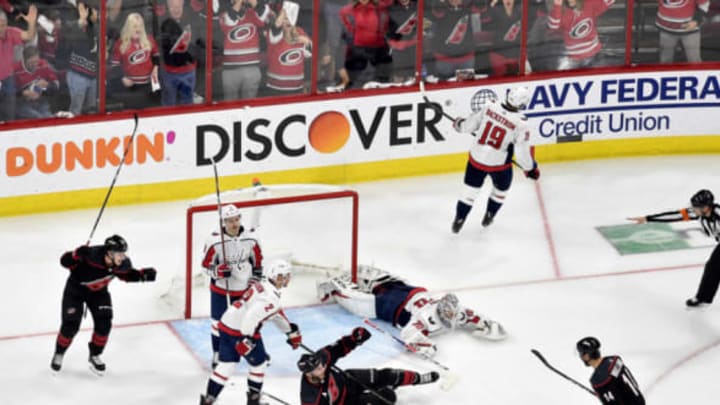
[542, 269]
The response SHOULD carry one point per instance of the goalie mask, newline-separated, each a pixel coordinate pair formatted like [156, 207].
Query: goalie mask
[447, 310]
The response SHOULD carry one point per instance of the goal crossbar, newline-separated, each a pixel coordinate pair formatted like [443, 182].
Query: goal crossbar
[317, 196]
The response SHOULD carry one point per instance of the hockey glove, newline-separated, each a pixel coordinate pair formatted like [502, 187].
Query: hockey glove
[534, 173]
[294, 338]
[81, 252]
[458, 123]
[257, 273]
[360, 335]
[222, 271]
[244, 346]
[148, 274]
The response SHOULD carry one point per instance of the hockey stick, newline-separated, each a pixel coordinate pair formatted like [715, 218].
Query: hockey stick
[273, 397]
[450, 379]
[560, 373]
[112, 184]
[350, 377]
[222, 233]
[433, 104]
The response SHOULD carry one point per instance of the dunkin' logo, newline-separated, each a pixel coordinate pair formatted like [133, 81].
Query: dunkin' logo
[88, 154]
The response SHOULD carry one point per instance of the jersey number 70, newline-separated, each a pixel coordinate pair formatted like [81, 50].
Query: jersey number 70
[492, 135]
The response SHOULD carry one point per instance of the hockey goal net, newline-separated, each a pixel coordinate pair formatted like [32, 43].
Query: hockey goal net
[313, 226]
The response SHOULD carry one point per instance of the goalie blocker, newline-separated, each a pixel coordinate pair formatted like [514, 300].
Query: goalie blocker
[419, 316]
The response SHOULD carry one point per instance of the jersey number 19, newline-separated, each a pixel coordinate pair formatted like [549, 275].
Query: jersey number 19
[492, 135]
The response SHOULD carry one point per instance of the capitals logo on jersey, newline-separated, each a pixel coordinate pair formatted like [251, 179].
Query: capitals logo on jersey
[183, 42]
[459, 31]
[138, 57]
[408, 27]
[292, 57]
[582, 28]
[242, 33]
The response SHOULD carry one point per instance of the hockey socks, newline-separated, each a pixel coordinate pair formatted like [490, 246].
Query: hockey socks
[462, 210]
[426, 378]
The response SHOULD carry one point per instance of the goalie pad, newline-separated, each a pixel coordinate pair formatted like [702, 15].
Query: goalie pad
[369, 277]
[341, 290]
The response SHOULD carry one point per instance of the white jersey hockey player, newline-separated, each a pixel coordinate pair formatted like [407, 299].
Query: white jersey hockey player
[412, 309]
[500, 131]
[240, 335]
[230, 266]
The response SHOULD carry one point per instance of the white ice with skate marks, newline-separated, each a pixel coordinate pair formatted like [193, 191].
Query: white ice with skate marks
[404, 227]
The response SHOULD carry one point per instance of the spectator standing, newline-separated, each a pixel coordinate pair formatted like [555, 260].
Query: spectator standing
[288, 48]
[452, 44]
[49, 36]
[402, 37]
[11, 38]
[506, 27]
[680, 22]
[36, 82]
[366, 23]
[242, 28]
[134, 64]
[577, 20]
[178, 56]
[81, 48]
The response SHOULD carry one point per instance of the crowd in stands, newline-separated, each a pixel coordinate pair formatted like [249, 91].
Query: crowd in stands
[156, 50]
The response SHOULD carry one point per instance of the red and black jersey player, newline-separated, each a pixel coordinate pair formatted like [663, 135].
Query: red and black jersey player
[324, 384]
[92, 268]
[612, 381]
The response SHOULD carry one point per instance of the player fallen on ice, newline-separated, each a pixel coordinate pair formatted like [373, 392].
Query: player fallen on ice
[231, 267]
[612, 380]
[419, 316]
[92, 268]
[324, 384]
[500, 130]
[240, 334]
[703, 209]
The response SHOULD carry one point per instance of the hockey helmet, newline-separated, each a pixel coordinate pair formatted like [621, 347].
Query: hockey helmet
[310, 361]
[518, 97]
[702, 198]
[590, 346]
[115, 243]
[229, 211]
[447, 309]
[277, 268]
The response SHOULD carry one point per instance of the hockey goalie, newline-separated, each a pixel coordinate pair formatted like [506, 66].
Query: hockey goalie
[418, 315]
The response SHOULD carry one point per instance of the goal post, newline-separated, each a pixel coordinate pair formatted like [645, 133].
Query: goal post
[288, 209]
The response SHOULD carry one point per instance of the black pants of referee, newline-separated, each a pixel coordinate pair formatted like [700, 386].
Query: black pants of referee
[710, 278]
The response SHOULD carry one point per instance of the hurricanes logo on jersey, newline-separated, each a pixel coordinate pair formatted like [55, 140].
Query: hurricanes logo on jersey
[408, 26]
[183, 43]
[241, 33]
[138, 57]
[675, 3]
[291, 57]
[512, 33]
[458, 32]
[582, 28]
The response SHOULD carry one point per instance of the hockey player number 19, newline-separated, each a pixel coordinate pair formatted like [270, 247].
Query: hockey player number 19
[496, 135]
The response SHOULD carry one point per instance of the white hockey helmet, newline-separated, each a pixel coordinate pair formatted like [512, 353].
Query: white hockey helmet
[279, 267]
[229, 211]
[518, 97]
